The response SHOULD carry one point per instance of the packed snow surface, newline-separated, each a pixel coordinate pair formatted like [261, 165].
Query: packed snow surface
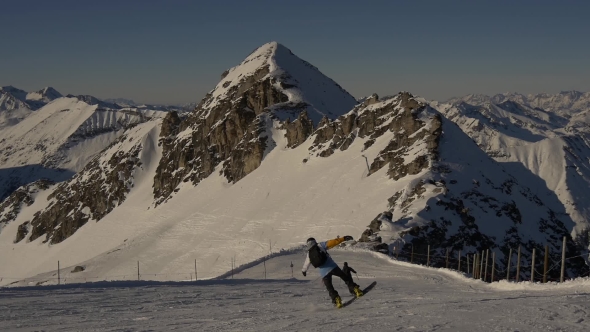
[406, 298]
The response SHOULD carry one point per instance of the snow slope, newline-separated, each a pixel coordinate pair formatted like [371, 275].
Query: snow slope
[216, 220]
[406, 298]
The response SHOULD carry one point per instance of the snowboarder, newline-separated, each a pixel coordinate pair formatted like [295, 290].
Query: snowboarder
[317, 255]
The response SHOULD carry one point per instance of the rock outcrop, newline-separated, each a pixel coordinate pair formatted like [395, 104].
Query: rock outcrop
[94, 192]
[25, 195]
[416, 128]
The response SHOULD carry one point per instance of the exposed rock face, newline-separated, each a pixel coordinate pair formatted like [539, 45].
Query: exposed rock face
[374, 98]
[78, 269]
[233, 124]
[299, 130]
[94, 192]
[11, 206]
[416, 127]
[234, 132]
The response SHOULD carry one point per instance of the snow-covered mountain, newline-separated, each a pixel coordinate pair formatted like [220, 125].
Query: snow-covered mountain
[59, 139]
[17, 104]
[278, 152]
[554, 148]
[12, 98]
[44, 95]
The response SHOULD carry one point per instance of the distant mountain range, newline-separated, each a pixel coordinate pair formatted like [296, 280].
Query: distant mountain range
[566, 103]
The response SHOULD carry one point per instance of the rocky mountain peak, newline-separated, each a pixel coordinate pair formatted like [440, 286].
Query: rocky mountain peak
[232, 124]
[45, 95]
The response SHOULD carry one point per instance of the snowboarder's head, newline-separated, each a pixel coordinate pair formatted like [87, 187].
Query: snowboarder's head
[345, 263]
[310, 243]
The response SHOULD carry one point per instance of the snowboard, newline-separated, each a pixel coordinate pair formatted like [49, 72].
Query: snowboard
[365, 291]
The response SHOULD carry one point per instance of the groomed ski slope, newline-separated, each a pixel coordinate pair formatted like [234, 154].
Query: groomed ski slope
[406, 298]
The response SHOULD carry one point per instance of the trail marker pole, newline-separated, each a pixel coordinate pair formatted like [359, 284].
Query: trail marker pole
[546, 264]
[292, 269]
[493, 264]
[508, 266]
[533, 266]
[447, 263]
[428, 256]
[467, 256]
[459, 264]
[485, 274]
[264, 263]
[412, 256]
[138, 270]
[58, 275]
[195, 270]
[562, 260]
[518, 266]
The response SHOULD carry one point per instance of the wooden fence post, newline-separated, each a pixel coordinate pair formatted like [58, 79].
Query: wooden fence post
[475, 266]
[563, 260]
[485, 273]
[508, 266]
[533, 266]
[428, 256]
[546, 263]
[493, 265]
[447, 263]
[459, 264]
[518, 265]
[481, 266]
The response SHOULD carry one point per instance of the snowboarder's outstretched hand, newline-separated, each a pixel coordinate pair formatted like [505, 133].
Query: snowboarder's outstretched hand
[348, 238]
[304, 273]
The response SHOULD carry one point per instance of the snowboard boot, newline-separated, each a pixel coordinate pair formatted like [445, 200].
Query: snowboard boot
[338, 302]
[358, 292]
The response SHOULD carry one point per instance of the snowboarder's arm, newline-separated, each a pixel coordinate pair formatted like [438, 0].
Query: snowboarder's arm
[352, 270]
[334, 242]
[306, 264]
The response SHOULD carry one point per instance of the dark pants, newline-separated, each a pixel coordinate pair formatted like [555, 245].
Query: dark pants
[338, 273]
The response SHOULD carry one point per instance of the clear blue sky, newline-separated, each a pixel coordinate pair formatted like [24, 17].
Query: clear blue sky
[175, 51]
